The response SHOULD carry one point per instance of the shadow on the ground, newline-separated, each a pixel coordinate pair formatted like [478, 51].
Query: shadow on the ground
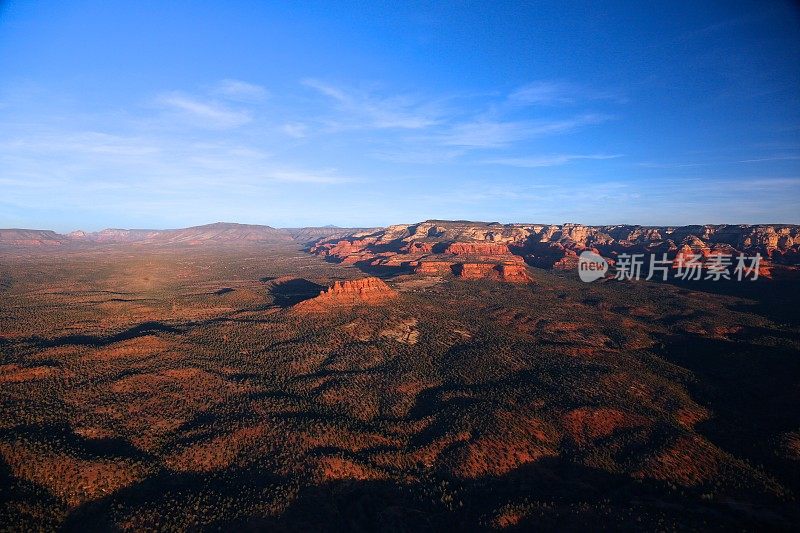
[141, 330]
[751, 391]
[549, 494]
[294, 291]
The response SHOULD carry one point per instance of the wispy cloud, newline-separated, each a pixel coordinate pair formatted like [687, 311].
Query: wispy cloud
[373, 111]
[762, 184]
[557, 93]
[717, 162]
[240, 90]
[205, 112]
[495, 134]
[298, 130]
[442, 131]
[544, 93]
[484, 134]
[419, 155]
[320, 177]
[776, 158]
[548, 160]
[86, 142]
[197, 149]
[657, 165]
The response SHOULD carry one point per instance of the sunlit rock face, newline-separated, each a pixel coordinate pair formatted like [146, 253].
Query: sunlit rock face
[369, 291]
[463, 248]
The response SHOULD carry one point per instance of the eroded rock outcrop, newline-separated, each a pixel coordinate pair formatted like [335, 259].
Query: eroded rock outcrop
[435, 247]
[514, 273]
[510, 272]
[434, 267]
[367, 291]
[477, 248]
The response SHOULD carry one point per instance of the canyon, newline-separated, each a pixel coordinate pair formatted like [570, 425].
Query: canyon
[489, 250]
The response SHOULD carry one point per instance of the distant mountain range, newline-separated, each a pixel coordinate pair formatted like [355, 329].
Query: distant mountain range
[218, 233]
[546, 245]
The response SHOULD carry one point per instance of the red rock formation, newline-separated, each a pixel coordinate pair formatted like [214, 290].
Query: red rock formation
[434, 267]
[568, 262]
[687, 256]
[558, 246]
[765, 270]
[416, 247]
[510, 272]
[369, 291]
[355, 258]
[514, 273]
[477, 271]
[477, 248]
[342, 249]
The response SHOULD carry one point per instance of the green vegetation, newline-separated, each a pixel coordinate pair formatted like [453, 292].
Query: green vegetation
[138, 392]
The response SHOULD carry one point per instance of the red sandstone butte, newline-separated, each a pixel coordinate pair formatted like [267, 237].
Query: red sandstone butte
[434, 267]
[510, 272]
[514, 273]
[367, 291]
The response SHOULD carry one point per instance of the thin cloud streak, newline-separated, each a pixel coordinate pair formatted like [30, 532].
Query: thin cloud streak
[206, 113]
[495, 134]
[548, 160]
[199, 153]
[559, 93]
[367, 110]
[322, 177]
[240, 90]
[766, 159]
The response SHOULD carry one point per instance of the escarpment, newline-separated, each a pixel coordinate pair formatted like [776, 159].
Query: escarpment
[474, 250]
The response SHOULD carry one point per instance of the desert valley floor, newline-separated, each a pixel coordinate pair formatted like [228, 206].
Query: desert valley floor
[210, 387]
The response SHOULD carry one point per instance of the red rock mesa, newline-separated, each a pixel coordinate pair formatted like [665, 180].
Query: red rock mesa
[437, 247]
[369, 291]
[511, 272]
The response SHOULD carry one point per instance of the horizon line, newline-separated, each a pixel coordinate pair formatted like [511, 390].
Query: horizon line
[430, 220]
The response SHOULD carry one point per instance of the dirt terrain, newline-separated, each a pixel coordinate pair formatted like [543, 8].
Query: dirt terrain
[202, 383]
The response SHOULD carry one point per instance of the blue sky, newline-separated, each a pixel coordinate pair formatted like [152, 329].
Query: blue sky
[170, 114]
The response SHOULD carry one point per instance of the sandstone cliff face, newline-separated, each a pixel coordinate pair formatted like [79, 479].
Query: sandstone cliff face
[434, 246]
[477, 271]
[477, 248]
[433, 267]
[514, 273]
[417, 247]
[509, 272]
[368, 291]
[312, 235]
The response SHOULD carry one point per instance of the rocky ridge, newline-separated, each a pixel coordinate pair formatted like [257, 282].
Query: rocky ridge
[485, 250]
[463, 248]
[217, 233]
[30, 237]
